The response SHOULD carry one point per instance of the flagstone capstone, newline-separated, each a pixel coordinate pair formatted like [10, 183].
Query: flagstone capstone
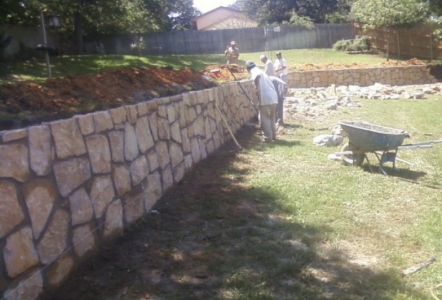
[13, 135]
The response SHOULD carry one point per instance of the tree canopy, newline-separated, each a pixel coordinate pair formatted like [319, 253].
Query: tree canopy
[88, 18]
[390, 13]
[270, 11]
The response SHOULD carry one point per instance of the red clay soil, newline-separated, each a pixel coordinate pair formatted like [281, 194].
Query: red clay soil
[27, 103]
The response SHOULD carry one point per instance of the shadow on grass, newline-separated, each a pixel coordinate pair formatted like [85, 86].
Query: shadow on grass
[218, 238]
[399, 172]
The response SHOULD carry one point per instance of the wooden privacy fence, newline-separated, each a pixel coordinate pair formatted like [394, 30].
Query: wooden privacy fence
[414, 42]
[215, 41]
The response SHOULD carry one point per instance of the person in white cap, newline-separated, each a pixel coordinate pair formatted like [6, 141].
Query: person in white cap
[268, 100]
[232, 53]
[281, 66]
[269, 69]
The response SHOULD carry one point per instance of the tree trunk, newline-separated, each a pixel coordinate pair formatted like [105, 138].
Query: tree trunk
[78, 32]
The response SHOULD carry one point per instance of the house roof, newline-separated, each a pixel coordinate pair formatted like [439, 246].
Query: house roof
[220, 7]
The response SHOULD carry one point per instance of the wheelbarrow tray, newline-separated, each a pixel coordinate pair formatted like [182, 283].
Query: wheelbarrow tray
[368, 137]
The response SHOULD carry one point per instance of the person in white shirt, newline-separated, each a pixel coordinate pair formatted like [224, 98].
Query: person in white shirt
[281, 66]
[268, 100]
[269, 68]
[281, 89]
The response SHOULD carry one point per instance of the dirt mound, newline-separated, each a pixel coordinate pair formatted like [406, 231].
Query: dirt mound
[312, 67]
[226, 72]
[85, 93]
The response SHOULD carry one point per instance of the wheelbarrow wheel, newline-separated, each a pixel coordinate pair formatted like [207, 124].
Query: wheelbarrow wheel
[354, 159]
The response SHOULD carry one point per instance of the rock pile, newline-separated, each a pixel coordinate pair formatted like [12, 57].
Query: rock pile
[388, 92]
[316, 102]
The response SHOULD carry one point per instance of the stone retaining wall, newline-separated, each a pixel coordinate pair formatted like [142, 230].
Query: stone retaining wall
[68, 186]
[362, 77]
[60, 181]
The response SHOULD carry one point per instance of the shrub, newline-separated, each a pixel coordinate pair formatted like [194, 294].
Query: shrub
[342, 45]
[361, 44]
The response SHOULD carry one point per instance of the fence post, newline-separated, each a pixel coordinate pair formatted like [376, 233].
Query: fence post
[398, 44]
[431, 46]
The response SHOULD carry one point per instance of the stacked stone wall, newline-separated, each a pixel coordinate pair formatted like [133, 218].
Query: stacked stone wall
[401, 75]
[68, 186]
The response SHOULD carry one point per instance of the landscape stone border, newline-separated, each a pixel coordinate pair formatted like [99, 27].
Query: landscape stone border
[68, 186]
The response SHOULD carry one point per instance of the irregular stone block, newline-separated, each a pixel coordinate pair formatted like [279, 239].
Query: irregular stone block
[83, 240]
[130, 142]
[11, 213]
[121, 176]
[131, 113]
[153, 121]
[185, 140]
[139, 170]
[40, 196]
[13, 135]
[163, 129]
[210, 147]
[28, 288]
[178, 172]
[40, 151]
[60, 270]
[153, 192]
[195, 150]
[176, 133]
[117, 145]
[68, 139]
[86, 123]
[81, 207]
[99, 153]
[53, 242]
[176, 154]
[113, 225]
[134, 206]
[14, 162]
[118, 115]
[171, 114]
[102, 193]
[188, 162]
[70, 174]
[143, 109]
[167, 177]
[144, 137]
[328, 140]
[152, 158]
[163, 154]
[162, 111]
[102, 121]
[19, 252]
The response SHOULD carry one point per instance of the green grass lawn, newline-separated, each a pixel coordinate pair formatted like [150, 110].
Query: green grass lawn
[35, 69]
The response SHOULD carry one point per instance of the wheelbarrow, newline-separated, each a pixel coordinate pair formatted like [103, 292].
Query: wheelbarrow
[383, 141]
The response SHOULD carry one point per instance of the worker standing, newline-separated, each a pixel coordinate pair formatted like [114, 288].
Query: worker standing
[281, 66]
[232, 53]
[268, 100]
[281, 88]
[269, 68]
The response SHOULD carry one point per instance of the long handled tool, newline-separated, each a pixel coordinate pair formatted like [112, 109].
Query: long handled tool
[228, 127]
[244, 92]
